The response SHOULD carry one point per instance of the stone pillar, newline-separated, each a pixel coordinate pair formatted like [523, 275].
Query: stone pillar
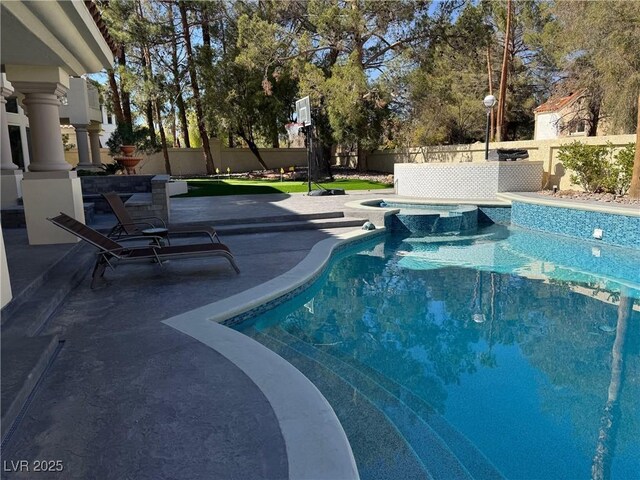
[82, 139]
[11, 175]
[49, 187]
[94, 141]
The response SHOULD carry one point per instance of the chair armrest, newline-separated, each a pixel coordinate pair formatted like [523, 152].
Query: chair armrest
[133, 224]
[115, 251]
[141, 237]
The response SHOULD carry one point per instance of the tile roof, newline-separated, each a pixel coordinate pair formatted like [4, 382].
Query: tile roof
[102, 26]
[555, 104]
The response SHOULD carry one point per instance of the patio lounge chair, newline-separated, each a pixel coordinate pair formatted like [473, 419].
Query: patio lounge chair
[111, 252]
[127, 226]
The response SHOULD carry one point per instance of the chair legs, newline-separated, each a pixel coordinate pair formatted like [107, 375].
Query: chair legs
[98, 271]
[102, 264]
[233, 263]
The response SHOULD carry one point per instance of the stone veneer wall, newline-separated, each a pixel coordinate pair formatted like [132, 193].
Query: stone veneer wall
[144, 195]
[618, 229]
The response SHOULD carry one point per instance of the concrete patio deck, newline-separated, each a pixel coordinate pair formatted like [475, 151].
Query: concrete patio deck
[129, 397]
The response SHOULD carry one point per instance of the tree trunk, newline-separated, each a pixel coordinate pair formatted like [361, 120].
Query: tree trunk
[363, 157]
[601, 466]
[492, 118]
[206, 38]
[115, 97]
[184, 125]
[163, 138]
[175, 71]
[634, 190]
[504, 77]
[196, 90]
[253, 147]
[174, 126]
[147, 73]
[124, 94]
[149, 114]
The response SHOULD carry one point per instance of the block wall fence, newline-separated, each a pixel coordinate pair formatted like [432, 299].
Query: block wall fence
[186, 161]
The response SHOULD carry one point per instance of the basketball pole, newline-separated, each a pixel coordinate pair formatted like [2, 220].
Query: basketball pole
[309, 153]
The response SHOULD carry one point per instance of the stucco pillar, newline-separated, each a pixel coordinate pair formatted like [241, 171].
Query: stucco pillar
[94, 141]
[82, 139]
[5, 283]
[49, 187]
[43, 104]
[11, 175]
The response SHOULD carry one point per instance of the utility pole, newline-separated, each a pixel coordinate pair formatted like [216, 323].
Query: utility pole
[504, 76]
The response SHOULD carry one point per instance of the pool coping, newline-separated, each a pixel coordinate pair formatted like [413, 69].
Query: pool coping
[600, 207]
[316, 444]
[372, 204]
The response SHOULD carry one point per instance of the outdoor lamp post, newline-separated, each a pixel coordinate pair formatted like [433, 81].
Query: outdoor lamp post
[489, 102]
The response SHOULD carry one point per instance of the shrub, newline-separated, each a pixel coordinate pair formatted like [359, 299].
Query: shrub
[596, 169]
[624, 163]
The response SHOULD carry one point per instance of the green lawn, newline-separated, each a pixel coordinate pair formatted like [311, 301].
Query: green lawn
[208, 188]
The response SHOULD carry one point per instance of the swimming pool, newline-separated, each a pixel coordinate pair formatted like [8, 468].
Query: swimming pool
[502, 353]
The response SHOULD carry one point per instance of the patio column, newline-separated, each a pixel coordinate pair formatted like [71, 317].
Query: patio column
[94, 141]
[5, 282]
[10, 173]
[82, 139]
[49, 187]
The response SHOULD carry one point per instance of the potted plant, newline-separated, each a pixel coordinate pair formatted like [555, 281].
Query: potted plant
[127, 139]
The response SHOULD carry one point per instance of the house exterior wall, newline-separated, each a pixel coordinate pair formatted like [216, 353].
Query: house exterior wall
[546, 126]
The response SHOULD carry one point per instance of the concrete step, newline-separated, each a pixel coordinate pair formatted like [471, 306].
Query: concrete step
[60, 274]
[289, 226]
[24, 361]
[294, 217]
[26, 353]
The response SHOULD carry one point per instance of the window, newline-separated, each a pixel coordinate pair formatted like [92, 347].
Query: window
[17, 153]
[109, 118]
[12, 105]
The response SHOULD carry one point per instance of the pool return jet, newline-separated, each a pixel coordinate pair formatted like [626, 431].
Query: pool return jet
[303, 112]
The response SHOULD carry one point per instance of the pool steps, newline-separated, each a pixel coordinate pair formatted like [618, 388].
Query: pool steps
[442, 449]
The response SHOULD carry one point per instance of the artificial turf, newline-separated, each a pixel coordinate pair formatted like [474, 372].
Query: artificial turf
[206, 187]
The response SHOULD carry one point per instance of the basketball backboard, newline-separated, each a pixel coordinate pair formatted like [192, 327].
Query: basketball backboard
[303, 111]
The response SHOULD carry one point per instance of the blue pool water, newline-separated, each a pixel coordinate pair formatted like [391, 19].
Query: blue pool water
[501, 354]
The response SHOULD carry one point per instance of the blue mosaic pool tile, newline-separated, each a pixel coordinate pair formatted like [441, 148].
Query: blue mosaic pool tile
[622, 230]
[490, 215]
[260, 309]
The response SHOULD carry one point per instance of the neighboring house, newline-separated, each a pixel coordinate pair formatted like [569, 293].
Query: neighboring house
[108, 125]
[561, 117]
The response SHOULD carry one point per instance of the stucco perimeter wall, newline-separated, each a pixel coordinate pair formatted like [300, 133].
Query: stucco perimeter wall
[466, 180]
[545, 151]
[190, 161]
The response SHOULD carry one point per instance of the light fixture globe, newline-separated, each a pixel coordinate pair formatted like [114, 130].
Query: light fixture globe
[489, 101]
